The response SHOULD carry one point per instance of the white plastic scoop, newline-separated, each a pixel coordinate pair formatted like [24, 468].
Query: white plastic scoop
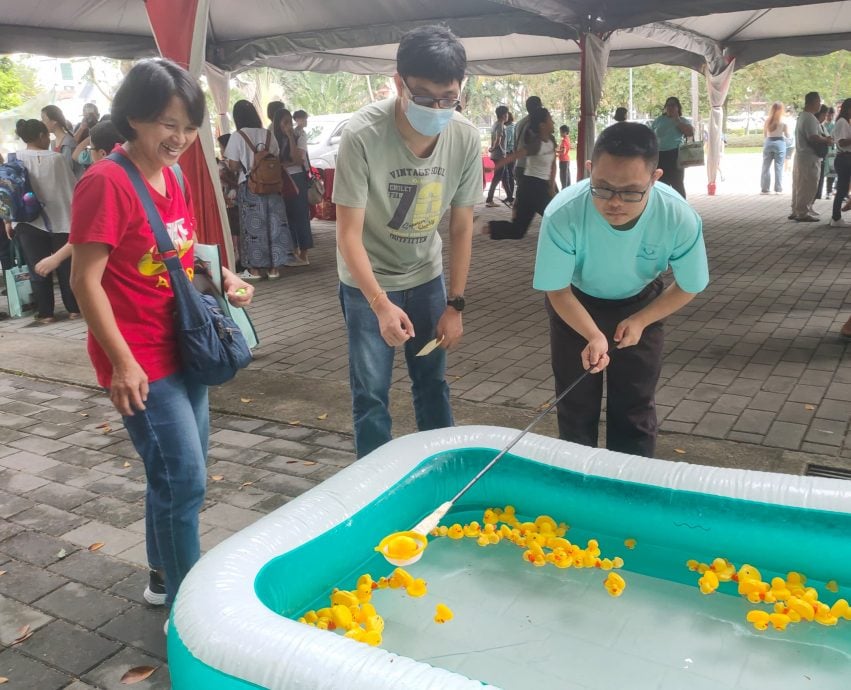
[402, 553]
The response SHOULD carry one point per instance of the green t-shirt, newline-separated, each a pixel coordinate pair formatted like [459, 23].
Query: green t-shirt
[404, 196]
[669, 135]
[577, 246]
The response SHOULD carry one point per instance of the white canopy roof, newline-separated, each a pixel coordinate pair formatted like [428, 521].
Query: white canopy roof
[501, 36]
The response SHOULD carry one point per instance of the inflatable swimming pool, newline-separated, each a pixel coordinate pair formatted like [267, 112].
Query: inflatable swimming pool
[233, 624]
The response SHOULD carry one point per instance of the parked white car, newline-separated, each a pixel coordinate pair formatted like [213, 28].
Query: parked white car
[323, 138]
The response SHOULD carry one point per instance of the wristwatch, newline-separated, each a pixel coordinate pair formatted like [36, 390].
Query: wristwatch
[457, 303]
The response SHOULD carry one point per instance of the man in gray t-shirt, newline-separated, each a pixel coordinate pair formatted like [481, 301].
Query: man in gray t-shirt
[402, 163]
[807, 163]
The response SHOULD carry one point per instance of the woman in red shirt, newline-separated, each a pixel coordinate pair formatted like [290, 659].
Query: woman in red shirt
[123, 289]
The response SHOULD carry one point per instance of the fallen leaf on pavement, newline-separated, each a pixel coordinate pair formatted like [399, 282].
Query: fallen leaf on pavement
[291, 462]
[295, 422]
[62, 553]
[681, 451]
[23, 634]
[244, 484]
[3, 679]
[217, 477]
[126, 463]
[84, 414]
[246, 400]
[308, 462]
[3, 572]
[323, 416]
[809, 407]
[97, 545]
[137, 674]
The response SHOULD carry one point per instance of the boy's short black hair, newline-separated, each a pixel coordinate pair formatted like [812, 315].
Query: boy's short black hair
[433, 53]
[628, 140]
[299, 115]
[501, 111]
[620, 114]
[245, 115]
[533, 103]
[105, 136]
[811, 98]
[564, 129]
[146, 91]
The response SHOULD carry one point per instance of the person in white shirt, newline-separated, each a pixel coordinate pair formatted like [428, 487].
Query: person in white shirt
[53, 185]
[805, 169]
[264, 235]
[842, 162]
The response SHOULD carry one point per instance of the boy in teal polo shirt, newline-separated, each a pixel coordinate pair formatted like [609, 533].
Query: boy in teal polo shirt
[603, 246]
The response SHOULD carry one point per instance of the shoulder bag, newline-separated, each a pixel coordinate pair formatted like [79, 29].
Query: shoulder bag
[690, 154]
[212, 348]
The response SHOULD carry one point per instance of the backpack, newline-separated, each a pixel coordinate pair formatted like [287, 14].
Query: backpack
[266, 175]
[18, 202]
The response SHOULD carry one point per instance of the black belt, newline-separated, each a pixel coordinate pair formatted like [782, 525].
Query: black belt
[776, 138]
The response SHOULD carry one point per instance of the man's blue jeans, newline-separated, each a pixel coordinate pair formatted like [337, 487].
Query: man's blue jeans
[171, 437]
[371, 363]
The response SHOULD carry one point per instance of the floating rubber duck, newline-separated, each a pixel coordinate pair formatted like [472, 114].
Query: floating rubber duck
[759, 619]
[342, 616]
[841, 609]
[344, 598]
[473, 530]
[629, 543]
[708, 582]
[417, 588]
[443, 614]
[832, 586]
[561, 558]
[402, 548]
[723, 569]
[692, 565]
[779, 620]
[491, 517]
[614, 584]
[546, 525]
[455, 531]
[802, 608]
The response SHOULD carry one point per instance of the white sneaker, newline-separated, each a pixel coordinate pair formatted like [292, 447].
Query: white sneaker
[839, 223]
[248, 275]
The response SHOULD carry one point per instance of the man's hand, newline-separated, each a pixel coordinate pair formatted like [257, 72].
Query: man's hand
[450, 328]
[129, 388]
[395, 326]
[594, 357]
[629, 331]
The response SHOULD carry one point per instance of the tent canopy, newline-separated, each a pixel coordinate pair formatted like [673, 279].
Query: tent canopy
[360, 35]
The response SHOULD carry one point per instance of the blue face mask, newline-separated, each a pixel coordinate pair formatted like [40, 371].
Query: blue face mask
[428, 121]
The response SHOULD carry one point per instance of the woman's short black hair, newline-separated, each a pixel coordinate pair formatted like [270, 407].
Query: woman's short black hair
[146, 91]
[273, 107]
[628, 140]
[676, 102]
[105, 136]
[30, 130]
[433, 53]
[246, 115]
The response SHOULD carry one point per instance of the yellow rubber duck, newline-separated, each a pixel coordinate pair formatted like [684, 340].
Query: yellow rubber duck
[417, 588]
[759, 619]
[629, 543]
[841, 609]
[614, 584]
[779, 620]
[801, 607]
[723, 569]
[832, 586]
[456, 531]
[708, 582]
[443, 614]
[473, 530]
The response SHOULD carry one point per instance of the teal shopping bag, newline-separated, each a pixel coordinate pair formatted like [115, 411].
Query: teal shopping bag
[19, 291]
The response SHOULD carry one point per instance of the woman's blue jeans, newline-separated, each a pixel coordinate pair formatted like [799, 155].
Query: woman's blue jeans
[371, 363]
[774, 150]
[171, 435]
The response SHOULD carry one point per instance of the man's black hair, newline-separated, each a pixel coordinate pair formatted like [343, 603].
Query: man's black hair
[146, 91]
[533, 103]
[628, 140]
[245, 115]
[620, 114]
[564, 129]
[105, 136]
[299, 115]
[433, 53]
[811, 98]
[501, 111]
[273, 107]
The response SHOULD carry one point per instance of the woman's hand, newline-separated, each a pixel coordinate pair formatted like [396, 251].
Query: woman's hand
[238, 292]
[47, 265]
[129, 388]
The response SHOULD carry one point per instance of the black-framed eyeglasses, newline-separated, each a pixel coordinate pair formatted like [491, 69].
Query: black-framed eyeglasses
[627, 196]
[429, 102]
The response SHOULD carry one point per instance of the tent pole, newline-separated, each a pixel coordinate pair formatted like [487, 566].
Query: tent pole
[580, 135]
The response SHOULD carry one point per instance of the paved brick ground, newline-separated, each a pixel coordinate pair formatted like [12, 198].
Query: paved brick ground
[67, 483]
[756, 358]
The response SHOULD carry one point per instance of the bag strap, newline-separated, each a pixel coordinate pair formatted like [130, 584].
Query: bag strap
[248, 141]
[165, 245]
[178, 173]
[268, 139]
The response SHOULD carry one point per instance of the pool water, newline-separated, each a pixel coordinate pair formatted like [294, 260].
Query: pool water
[520, 627]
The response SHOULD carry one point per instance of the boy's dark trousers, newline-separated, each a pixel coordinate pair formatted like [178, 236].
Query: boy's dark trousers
[631, 376]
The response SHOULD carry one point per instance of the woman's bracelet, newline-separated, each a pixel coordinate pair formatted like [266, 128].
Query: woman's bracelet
[375, 299]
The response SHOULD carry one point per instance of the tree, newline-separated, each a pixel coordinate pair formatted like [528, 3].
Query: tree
[17, 83]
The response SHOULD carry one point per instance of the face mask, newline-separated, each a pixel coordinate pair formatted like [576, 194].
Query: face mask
[428, 121]
[85, 157]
